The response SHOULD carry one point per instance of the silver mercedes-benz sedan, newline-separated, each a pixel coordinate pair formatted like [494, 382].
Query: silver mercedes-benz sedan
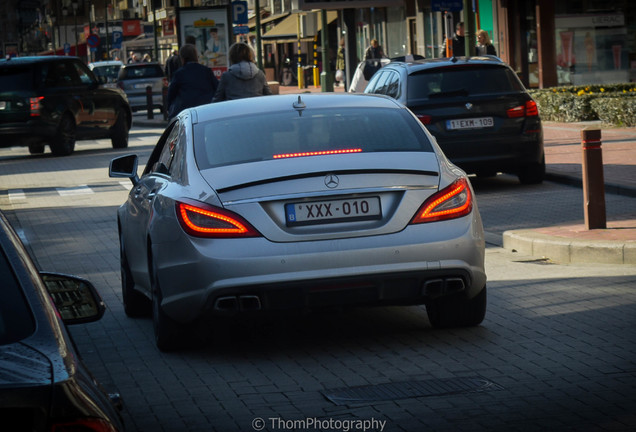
[298, 201]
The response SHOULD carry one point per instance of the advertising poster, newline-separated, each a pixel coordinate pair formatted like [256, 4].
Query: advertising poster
[209, 29]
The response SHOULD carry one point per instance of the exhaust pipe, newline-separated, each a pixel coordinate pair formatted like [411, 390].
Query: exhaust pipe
[438, 287]
[249, 303]
[226, 304]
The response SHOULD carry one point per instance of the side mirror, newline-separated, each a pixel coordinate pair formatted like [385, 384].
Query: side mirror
[124, 166]
[76, 299]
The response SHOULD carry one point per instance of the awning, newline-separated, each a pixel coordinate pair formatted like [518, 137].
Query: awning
[287, 29]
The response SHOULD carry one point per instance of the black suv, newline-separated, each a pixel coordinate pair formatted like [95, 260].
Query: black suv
[56, 100]
[477, 108]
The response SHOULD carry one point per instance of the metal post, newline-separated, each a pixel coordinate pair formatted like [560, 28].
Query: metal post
[593, 181]
[326, 78]
[149, 103]
[259, 53]
[299, 66]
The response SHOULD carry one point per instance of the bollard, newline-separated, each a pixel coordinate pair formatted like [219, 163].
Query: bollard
[593, 181]
[164, 102]
[149, 104]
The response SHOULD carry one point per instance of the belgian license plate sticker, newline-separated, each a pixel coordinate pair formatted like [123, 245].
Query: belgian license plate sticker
[472, 123]
[332, 211]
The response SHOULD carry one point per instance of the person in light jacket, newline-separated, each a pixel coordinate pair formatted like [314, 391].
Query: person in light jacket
[243, 78]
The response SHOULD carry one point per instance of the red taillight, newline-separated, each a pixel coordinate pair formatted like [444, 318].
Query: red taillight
[208, 221]
[425, 119]
[451, 202]
[316, 153]
[35, 105]
[165, 82]
[84, 424]
[120, 85]
[529, 109]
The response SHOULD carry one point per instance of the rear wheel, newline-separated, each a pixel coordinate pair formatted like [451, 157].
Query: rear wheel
[169, 334]
[457, 311]
[63, 142]
[533, 173]
[37, 148]
[135, 303]
[119, 132]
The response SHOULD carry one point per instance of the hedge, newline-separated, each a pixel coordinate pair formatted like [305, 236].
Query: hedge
[613, 104]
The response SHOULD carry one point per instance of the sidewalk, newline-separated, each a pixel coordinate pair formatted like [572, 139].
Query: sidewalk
[572, 243]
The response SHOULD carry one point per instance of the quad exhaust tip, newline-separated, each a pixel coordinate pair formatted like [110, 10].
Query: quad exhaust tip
[243, 303]
[439, 287]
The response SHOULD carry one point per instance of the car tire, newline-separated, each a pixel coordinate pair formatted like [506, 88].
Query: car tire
[119, 132]
[169, 334]
[63, 142]
[532, 173]
[457, 311]
[135, 303]
[36, 148]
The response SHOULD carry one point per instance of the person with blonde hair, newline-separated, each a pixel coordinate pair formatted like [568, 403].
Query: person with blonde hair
[243, 78]
[484, 45]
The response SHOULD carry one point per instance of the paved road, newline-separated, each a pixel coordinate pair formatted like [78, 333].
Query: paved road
[557, 350]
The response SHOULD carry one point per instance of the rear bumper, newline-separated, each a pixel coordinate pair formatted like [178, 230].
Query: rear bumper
[204, 277]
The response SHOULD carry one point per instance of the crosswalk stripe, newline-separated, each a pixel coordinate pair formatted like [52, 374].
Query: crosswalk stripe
[16, 195]
[76, 190]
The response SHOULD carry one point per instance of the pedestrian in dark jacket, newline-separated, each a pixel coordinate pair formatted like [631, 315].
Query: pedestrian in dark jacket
[172, 64]
[243, 78]
[458, 40]
[192, 85]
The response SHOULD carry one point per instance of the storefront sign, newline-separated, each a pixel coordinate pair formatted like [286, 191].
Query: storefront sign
[131, 27]
[168, 27]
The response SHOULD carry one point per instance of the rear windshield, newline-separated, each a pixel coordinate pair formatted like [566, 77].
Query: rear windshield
[108, 72]
[329, 131]
[150, 71]
[16, 78]
[461, 82]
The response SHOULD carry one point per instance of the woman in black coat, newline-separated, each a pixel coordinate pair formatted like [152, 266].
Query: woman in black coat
[192, 84]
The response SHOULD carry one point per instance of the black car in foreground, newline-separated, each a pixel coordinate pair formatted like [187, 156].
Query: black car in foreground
[476, 107]
[44, 386]
[57, 100]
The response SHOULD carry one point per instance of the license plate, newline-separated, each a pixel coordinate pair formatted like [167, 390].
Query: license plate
[473, 123]
[322, 212]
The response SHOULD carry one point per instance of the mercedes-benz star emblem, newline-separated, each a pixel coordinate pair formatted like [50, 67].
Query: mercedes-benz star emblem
[332, 181]
[469, 106]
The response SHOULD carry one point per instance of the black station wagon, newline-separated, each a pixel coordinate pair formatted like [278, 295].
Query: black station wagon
[477, 108]
[57, 100]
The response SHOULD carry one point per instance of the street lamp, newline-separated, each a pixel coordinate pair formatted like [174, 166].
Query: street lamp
[65, 14]
[74, 4]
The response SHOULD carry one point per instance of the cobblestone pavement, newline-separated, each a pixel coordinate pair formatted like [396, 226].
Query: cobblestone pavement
[557, 350]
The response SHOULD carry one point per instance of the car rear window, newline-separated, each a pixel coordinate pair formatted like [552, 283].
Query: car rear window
[322, 131]
[462, 81]
[16, 321]
[108, 72]
[16, 78]
[150, 71]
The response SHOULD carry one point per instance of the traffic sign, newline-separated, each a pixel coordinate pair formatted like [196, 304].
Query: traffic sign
[241, 29]
[239, 12]
[92, 40]
[67, 48]
[118, 37]
[447, 5]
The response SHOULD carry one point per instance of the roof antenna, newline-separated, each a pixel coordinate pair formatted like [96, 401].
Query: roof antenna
[299, 106]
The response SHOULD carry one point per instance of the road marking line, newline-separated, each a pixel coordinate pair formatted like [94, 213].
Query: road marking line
[126, 184]
[76, 190]
[16, 195]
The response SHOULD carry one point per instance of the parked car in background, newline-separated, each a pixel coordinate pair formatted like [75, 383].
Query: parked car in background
[57, 100]
[135, 77]
[478, 110]
[44, 386]
[297, 201]
[106, 72]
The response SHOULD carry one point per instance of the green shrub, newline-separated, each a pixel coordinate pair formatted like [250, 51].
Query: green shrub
[613, 104]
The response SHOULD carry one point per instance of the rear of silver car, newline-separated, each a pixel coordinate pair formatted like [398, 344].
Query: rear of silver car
[134, 79]
[307, 204]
